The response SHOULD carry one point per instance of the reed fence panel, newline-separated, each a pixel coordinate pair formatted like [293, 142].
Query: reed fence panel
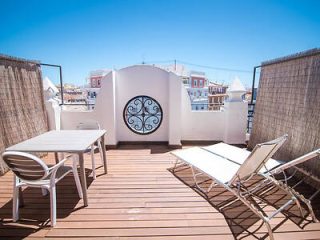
[22, 109]
[288, 101]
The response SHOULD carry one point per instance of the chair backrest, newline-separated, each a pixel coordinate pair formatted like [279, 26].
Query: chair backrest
[258, 157]
[88, 125]
[26, 166]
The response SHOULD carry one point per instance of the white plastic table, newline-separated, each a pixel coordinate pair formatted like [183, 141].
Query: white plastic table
[71, 141]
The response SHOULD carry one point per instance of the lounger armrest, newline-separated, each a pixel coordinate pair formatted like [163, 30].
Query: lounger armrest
[296, 161]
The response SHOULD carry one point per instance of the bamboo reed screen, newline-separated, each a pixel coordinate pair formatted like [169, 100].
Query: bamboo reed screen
[288, 101]
[22, 110]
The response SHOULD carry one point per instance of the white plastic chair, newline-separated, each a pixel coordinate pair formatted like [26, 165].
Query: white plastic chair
[31, 171]
[92, 125]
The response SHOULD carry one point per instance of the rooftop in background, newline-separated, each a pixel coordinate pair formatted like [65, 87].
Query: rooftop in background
[99, 72]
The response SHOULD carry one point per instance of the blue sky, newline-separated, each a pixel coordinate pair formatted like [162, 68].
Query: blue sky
[87, 35]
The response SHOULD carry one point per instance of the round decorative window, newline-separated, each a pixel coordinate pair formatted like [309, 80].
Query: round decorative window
[142, 115]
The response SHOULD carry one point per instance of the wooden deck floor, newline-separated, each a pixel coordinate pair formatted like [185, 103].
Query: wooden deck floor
[138, 199]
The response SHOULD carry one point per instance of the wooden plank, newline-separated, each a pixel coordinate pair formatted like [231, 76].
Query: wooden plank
[138, 232]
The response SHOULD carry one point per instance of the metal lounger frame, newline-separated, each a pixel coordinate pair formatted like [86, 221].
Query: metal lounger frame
[237, 183]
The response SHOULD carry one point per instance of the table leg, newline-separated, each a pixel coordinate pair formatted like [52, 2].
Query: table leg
[83, 179]
[104, 155]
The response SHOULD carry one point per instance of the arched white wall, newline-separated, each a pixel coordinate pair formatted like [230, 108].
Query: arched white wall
[141, 80]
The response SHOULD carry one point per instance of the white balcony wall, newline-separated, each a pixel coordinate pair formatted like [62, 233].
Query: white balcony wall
[176, 90]
[70, 119]
[105, 108]
[227, 125]
[53, 114]
[200, 125]
[179, 121]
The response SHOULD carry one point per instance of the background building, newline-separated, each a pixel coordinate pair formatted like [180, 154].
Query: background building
[197, 88]
[216, 96]
[94, 84]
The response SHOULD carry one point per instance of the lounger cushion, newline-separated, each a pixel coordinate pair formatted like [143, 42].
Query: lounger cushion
[238, 155]
[214, 166]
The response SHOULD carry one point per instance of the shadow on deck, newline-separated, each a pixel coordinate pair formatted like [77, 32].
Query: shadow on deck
[241, 220]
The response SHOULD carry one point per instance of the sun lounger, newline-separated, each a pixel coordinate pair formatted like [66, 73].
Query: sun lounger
[275, 167]
[233, 171]
[222, 162]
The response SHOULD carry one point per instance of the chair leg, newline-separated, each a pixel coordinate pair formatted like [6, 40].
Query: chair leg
[269, 230]
[175, 165]
[314, 219]
[44, 191]
[53, 206]
[299, 206]
[253, 208]
[93, 162]
[100, 151]
[76, 178]
[15, 207]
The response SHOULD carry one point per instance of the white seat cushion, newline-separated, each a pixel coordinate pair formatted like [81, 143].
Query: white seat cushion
[213, 165]
[238, 155]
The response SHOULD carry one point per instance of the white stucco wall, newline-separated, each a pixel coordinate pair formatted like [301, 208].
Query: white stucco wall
[235, 122]
[179, 121]
[53, 114]
[105, 108]
[228, 125]
[70, 119]
[201, 125]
